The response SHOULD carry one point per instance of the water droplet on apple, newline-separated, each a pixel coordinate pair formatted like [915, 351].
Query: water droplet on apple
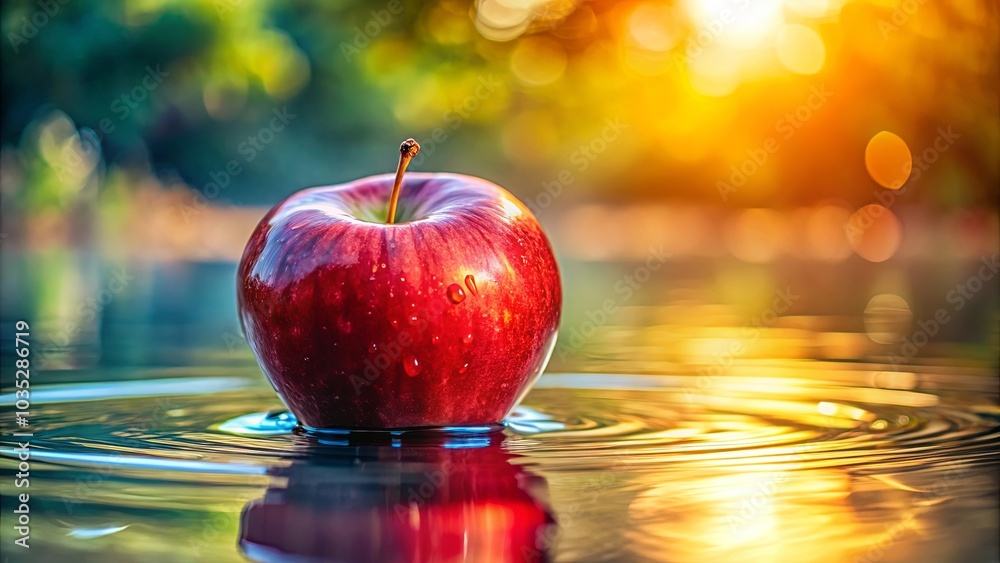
[383, 265]
[435, 339]
[470, 282]
[414, 320]
[373, 348]
[401, 278]
[467, 338]
[463, 368]
[411, 366]
[455, 293]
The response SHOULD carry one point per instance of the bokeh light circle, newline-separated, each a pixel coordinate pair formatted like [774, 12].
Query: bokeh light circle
[652, 27]
[800, 49]
[537, 61]
[887, 318]
[888, 160]
[874, 233]
[824, 235]
[757, 235]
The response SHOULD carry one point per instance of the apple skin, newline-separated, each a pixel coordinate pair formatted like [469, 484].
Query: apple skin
[442, 319]
[407, 504]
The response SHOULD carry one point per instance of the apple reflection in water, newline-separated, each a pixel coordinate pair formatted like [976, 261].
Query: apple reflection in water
[460, 499]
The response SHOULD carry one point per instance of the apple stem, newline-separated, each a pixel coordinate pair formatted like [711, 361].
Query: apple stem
[407, 150]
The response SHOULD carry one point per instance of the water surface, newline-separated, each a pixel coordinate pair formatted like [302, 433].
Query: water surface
[156, 438]
[590, 467]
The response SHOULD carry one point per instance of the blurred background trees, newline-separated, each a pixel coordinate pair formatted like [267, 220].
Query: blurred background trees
[699, 84]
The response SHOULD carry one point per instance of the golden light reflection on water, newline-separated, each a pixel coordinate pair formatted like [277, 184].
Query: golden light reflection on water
[887, 317]
[730, 412]
[761, 435]
[748, 517]
[797, 460]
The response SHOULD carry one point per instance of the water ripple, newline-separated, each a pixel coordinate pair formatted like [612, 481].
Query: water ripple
[569, 422]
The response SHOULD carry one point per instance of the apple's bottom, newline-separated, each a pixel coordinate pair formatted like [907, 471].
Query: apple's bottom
[418, 433]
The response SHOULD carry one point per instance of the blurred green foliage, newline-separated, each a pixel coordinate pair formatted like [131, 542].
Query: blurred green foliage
[180, 88]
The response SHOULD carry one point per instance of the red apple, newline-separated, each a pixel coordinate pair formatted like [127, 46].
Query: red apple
[442, 314]
[401, 505]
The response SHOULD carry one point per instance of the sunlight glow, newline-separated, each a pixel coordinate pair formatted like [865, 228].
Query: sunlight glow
[800, 49]
[825, 408]
[652, 27]
[809, 8]
[737, 23]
